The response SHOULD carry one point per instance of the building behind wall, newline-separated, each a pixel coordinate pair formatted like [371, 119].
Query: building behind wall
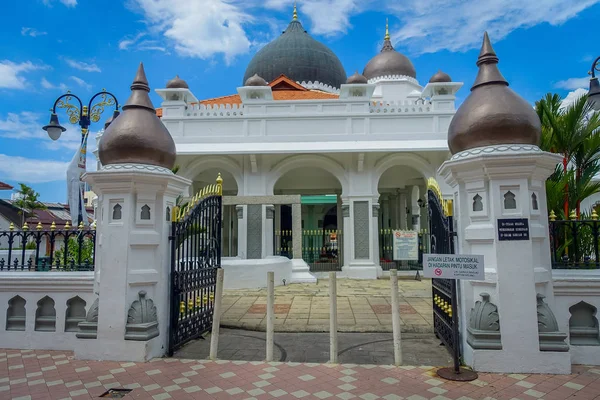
[300, 125]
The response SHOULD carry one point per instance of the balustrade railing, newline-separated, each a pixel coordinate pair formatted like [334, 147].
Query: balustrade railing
[48, 248]
[574, 242]
[321, 248]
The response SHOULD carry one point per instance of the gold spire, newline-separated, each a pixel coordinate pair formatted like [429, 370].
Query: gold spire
[295, 13]
[387, 30]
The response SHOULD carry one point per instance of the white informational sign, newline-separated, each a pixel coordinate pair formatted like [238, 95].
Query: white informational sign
[406, 245]
[454, 266]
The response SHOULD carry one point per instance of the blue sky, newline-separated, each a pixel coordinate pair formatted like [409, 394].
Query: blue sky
[50, 46]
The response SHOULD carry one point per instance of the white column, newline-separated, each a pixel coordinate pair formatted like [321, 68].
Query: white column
[402, 211]
[277, 228]
[384, 209]
[361, 239]
[516, 270]
[242, 217]
[134, 255]
[300, 269]
[415, 223]
[393, 207]
[347, 232]
[268, 230]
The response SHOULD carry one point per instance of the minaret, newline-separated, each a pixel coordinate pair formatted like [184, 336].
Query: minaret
[498, 173]
[136, 194]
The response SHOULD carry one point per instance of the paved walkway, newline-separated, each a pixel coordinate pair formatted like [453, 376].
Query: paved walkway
[363, 306]
[39, 375]
[355, 348]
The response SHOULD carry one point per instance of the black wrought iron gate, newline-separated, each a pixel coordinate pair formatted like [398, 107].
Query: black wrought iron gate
[445, 318]
[195, 257]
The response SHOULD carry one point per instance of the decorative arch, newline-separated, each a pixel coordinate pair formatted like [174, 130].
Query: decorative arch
[224, 163]
[413, 161]
[583, 325]
[307, 160]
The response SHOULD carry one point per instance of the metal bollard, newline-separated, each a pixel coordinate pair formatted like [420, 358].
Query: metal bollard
[396, 318]
[270, 313]
[333, 340]
[214, 336]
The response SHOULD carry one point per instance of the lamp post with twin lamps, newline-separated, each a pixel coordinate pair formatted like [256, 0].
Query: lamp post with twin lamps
[594, 93]
[84, 116]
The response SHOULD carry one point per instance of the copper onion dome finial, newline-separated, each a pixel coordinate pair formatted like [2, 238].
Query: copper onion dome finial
[137, 136]
[492, 114]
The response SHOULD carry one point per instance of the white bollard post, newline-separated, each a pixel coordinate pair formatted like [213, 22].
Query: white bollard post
[333, 342]
[214, 336]
[396, 318]
[270, 313]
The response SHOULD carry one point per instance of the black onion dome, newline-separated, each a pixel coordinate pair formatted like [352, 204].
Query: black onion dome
[298, 56]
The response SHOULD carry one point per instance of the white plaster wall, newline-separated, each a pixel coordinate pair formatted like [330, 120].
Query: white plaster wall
[33, 286]
[251, 274]
[571, 287]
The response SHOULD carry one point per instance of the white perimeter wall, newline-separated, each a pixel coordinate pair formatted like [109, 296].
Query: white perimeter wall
[33, 287]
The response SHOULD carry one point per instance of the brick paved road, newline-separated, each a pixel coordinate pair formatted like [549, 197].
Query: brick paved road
[358, 348]
[40, 375]
[363, 306]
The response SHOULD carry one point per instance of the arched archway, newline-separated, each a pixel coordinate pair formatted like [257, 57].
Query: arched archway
[402, 202]
[320, 189]
[200, 170]
[229, 238]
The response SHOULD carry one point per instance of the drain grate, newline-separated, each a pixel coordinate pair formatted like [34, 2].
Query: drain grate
[115, 393]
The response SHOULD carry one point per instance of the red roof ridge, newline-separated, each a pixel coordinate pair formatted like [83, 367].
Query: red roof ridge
[5, 186]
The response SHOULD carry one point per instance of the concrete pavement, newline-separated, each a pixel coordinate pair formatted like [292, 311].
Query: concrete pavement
[363, 306]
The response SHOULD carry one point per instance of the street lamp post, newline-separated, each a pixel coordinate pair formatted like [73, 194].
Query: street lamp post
[83, 115]
[594, 93]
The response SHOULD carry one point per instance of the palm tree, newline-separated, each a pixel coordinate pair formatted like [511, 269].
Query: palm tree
[572, 132]
[27, 201]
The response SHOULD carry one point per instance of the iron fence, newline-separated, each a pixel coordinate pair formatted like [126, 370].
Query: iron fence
[574, 243]
[321, 248]
[386, 252]
[48, 249]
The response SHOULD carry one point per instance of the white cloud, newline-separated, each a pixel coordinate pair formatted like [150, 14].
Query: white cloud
[81, 82]
[573, 83]
[428, 26]
[83, 66]
[134, 42]
[68, 3]
[573, 96]
[48, 85]
[32, 170]
[200, 28]
[32, 32]
[204, 28]
[28, 126]
[11, 73]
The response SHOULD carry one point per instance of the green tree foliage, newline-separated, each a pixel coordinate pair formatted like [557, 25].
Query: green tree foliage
[27, 201]
[571, 131]
[74, 250]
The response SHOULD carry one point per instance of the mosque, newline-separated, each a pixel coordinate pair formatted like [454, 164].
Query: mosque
[358, 149]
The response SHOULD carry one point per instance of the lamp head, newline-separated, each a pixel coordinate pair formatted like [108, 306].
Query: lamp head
[54, 129]
[594, 94]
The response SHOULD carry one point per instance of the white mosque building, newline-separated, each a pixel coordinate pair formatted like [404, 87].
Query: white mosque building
[358, 149]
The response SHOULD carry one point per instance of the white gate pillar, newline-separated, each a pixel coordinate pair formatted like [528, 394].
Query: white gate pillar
[137, 192]
[506, 325]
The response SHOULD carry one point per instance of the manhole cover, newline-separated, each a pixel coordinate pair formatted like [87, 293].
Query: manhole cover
[115, 393]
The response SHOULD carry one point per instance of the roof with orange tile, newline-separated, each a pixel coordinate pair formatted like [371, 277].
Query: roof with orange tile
[283, 89]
